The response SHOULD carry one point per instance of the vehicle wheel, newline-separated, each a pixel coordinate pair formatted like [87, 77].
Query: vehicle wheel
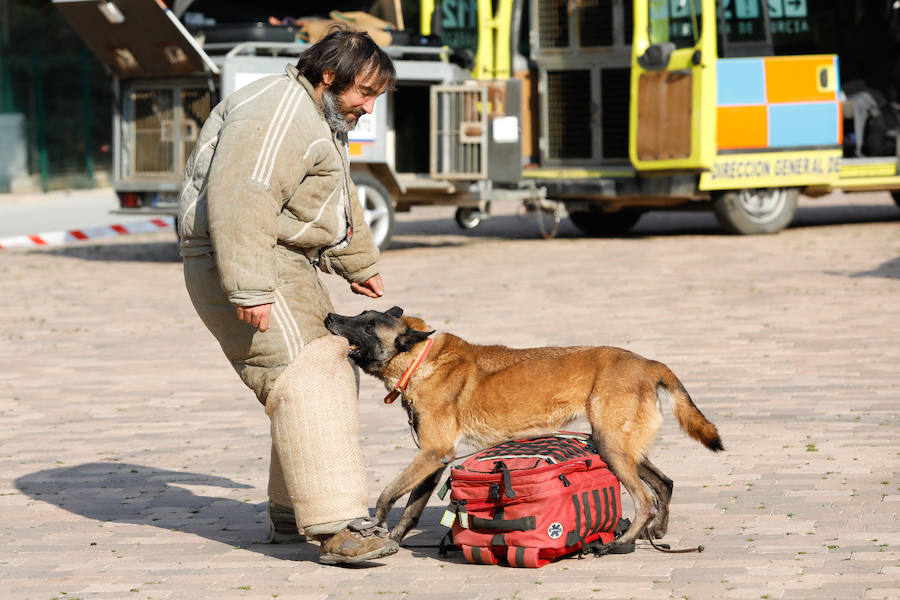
[896, 195]
[597, 223]
[468, 218]
[378, 208]
[753, 211]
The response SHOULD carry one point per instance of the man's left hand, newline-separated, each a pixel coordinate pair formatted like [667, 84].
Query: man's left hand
[373, 287]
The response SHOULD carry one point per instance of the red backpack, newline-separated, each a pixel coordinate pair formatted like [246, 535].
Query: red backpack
[528, 502]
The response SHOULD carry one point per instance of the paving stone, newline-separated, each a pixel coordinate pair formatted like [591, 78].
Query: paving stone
[132, 457]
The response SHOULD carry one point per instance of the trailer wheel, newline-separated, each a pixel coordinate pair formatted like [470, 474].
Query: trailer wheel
[468, 218]
[597, 223]
[378, 208]
[754, 211]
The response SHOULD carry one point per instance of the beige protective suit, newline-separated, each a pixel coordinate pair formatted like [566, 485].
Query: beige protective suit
[267, 198]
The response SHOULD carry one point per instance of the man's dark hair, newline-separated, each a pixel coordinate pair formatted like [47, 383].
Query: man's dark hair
[347, 54]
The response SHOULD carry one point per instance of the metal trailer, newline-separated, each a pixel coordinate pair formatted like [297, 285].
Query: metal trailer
[166, 82]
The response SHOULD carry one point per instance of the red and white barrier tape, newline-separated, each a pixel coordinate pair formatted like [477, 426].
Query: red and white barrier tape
[57, 238]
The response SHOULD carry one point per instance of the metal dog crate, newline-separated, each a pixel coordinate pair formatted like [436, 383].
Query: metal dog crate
[160, 127]
[475, 131]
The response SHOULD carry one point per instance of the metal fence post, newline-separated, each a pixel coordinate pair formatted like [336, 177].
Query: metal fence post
[6, 91]
[87, 116]
[40, 115]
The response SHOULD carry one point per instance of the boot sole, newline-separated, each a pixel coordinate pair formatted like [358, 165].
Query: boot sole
[340, 559]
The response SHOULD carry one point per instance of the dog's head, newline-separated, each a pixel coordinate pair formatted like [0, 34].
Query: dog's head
[377, 337]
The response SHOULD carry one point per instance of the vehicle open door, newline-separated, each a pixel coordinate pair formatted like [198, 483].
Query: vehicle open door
[136, 38]
[673, 78]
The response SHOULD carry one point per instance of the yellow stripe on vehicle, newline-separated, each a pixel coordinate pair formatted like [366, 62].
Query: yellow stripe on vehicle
[772, 169]
[869, 169]
[576, 173]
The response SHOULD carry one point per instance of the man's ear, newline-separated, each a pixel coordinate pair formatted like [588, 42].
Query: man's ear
[395, 312]
[405, 341]
[327, 78]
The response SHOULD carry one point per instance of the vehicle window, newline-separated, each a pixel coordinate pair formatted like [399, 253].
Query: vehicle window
[459, 23]
[744, 20]
[809, 26]
[797, 26]
[676, 21]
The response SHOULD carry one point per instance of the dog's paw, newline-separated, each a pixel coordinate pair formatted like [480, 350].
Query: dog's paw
[397, 534]
[657, 531]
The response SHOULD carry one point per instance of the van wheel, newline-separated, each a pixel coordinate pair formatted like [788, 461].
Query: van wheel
[378, 208]
[468, 218]
[754, 211]
[597, 223]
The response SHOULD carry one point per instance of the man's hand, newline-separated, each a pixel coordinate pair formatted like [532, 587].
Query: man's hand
[373, 287]
[258, 316]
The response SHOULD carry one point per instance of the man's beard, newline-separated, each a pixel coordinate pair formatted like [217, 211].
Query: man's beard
[335, 114]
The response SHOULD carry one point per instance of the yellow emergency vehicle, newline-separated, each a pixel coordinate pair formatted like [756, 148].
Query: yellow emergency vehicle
[735, 105]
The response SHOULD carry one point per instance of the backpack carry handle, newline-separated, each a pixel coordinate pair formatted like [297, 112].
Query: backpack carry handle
[507, 482]
[520, 524]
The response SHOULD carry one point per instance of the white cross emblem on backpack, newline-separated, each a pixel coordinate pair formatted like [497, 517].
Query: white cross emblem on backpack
[555, 530]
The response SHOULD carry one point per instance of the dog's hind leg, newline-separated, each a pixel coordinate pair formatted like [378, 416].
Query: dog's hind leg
[416, 474]
[625, 468]
[662, 488]
[418, 498]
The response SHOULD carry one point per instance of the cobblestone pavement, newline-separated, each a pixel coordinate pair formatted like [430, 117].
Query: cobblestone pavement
[134, 462]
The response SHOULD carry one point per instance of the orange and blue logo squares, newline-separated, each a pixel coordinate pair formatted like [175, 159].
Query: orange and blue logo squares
[778, 102]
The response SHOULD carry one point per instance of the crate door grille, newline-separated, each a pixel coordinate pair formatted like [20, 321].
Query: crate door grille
[459, 132]
[569, 124]
[614, 104]
[595, 19]
[154, 135]
[553, 23]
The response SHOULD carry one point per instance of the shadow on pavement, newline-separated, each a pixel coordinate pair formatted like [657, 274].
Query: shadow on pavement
[889, 270]
[130, 252]
[142, 495]
[817, 216]
[653, 223]
[426, 544]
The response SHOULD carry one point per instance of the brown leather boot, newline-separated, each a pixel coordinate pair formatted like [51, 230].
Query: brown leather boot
[360, 541]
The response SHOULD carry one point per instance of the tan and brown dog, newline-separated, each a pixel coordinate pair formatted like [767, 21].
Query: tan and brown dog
[490, 394]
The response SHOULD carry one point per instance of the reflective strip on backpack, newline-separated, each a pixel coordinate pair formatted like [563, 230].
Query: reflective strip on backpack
[479, 555]
[574, 536]
[588, 528]
[601, 510]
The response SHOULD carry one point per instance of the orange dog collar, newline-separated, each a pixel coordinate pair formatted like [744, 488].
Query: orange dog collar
[404, 379]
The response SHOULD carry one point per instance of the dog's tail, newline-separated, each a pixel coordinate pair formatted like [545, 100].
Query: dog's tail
[689, 416]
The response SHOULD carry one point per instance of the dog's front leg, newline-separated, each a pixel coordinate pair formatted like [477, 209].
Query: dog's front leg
[418, 498]
[416, 474]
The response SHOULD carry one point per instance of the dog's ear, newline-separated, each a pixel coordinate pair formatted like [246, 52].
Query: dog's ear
[395, 312]
[406, 340]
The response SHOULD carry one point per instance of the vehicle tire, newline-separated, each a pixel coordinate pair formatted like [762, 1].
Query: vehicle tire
[597, 223]
[754, 211]
[896, 195]
[378, 208]
[468, 218]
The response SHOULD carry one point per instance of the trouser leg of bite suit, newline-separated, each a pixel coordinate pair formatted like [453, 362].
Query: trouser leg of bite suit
[315, 430]
[278, 491]
[297, 320]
